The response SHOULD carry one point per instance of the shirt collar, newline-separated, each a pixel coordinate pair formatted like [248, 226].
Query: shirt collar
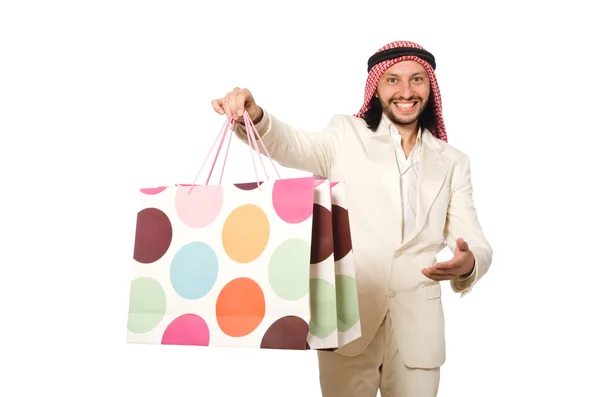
[394, 131]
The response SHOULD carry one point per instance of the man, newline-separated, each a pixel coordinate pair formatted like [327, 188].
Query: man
[409, 192]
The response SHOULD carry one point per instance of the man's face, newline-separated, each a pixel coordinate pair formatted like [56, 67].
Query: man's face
[403, 91]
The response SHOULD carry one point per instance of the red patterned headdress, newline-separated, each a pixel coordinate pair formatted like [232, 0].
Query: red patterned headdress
[395, 52]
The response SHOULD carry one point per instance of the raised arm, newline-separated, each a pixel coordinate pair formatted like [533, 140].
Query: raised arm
[312, 152]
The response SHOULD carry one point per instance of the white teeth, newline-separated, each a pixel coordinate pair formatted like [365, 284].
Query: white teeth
[404, 105]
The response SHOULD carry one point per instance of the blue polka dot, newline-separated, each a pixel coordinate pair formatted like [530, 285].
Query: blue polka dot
[194, 270]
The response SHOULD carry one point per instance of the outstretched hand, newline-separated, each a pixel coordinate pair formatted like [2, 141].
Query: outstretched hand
[235, 103]
[461, 264]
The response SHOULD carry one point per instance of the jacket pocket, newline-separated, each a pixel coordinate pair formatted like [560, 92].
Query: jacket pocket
[432, 291]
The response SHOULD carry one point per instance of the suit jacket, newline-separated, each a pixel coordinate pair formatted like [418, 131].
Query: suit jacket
[389, 274]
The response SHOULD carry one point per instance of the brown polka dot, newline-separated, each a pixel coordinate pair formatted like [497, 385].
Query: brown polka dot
[322, 234]
[342, 241]
[247, 186]
[288, 332]
[153, 235]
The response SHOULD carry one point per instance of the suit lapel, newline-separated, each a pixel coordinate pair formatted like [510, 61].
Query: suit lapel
[432, 174]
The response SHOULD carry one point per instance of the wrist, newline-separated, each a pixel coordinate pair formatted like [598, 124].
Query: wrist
[256, 115]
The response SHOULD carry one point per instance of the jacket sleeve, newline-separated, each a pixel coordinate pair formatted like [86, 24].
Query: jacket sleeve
[314, 152]
[462, 221]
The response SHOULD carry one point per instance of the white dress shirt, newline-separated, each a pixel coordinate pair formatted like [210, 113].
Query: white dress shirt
[408, 166]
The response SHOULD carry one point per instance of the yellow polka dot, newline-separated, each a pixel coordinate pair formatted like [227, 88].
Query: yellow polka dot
[246, 233]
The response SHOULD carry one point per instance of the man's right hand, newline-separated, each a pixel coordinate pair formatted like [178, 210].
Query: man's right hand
[234, 104]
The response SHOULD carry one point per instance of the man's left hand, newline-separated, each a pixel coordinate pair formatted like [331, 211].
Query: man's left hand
[461, 265]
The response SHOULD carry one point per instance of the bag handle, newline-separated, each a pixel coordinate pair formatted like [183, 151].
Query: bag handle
[252, 132]
[252, 143]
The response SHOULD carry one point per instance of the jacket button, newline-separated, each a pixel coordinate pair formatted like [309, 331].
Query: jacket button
[397, 254]
[391, 293]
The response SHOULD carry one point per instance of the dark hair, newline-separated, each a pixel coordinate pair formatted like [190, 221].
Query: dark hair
[373, 115]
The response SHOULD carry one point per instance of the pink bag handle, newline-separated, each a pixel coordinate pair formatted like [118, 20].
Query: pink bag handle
[250, 133]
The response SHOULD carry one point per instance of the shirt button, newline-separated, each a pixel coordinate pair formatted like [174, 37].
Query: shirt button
[391, 293]
[397, 254]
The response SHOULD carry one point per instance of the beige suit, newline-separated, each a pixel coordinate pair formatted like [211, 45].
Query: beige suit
[391, 285]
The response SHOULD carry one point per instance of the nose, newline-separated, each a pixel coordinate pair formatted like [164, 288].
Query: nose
[405, 91]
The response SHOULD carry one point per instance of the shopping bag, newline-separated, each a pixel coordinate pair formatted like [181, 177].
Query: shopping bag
[323, 299]
[348, 315]
[226, 265]
[335, 319]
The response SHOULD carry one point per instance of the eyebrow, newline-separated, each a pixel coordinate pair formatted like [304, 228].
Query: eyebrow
[413, 75]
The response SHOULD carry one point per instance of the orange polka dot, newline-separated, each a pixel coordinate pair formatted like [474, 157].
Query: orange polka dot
[240, 307]
[246, 233]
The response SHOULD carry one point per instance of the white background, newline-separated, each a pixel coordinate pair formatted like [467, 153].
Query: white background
[100, 98]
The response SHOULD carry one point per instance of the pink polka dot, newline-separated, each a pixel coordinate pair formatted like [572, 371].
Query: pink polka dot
[153, 190]
[200, 207]
[293, 199]
[188, 329]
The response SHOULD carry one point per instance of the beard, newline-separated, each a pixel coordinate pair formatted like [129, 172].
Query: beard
[388, 110]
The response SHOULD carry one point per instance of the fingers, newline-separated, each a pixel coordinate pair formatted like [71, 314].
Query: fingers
[217, 106]
[240, 102]
[445, 267]
[441, 278]
[443, 270]
[437, 276]
[229, 103]
[234, 103]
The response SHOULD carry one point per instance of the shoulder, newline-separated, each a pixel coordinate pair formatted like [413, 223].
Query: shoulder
[453, 152]
[350, 126]
[347, 121]
[450, 151]
[458, 158]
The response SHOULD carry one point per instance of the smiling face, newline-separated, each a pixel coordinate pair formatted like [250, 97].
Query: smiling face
[403, 91]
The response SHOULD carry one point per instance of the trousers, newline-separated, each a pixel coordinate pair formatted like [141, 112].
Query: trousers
[378, 368]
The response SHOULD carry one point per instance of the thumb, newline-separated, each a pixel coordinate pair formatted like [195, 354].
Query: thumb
[462, 245]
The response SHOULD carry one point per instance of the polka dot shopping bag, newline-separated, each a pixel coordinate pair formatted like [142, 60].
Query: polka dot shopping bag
[267, 264]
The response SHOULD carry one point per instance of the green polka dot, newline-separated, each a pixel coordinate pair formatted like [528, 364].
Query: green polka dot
[147, 305]
[323, 320]
[289, 269]
[347, 302]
